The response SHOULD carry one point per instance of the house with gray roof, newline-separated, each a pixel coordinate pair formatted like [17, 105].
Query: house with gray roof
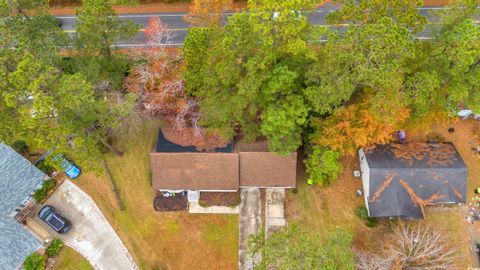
[18, 180]
[399, 180]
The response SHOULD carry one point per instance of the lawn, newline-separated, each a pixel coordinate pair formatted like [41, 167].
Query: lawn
[324, 209]
[157, 240]
[70, 259]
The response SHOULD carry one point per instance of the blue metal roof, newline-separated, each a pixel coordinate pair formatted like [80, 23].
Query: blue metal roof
[18, 179]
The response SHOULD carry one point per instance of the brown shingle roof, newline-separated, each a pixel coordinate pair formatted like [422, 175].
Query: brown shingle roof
[267, 169]
[195, 171]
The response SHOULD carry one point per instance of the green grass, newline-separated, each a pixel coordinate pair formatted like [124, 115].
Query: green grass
[69, 259]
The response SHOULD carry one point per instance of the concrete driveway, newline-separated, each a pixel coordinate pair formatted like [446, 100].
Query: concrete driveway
[250, 222]
[91, 235]
[274, 210]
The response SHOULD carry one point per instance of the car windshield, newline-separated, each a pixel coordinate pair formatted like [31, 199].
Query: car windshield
[47, 214]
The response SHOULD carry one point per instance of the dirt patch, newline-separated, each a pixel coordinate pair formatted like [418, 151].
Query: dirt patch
[143, 8]
[179, 202]
[436, 2]
[219, 198]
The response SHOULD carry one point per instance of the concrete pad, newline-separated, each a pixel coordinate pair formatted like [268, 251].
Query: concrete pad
[274, 210]
[91, 235]
[195, 208]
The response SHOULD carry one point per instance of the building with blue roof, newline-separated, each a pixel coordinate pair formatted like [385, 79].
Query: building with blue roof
[18, 180]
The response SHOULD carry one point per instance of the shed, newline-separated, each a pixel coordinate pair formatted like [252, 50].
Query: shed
[399, 180]
[18, 180]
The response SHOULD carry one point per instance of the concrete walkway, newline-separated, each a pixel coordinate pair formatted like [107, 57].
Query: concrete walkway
[249, 222]
[91, 235]
[274, 210]
[195, 208]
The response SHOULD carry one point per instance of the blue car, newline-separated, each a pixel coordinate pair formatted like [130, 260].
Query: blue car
[69, 167]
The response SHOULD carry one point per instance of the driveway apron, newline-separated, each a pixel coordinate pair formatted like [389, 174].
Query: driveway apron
[91, 235]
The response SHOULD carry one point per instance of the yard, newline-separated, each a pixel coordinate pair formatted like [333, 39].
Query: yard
[321, 209]
[70, 259]
[157, 240]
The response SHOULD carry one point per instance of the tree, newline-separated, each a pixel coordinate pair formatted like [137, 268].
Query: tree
[403, 12]
[253, 68]
[207, 13]
[295, 248]
[457, 56]
[98, 29]
[369, 261]
[35, 262]
[39, 99]
[54, 248]
[355, 126]
[322, 165]
[39, 35]
[417, 247]
[160, 88]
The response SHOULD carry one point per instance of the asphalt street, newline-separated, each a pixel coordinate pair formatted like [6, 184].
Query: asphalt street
[176, 24]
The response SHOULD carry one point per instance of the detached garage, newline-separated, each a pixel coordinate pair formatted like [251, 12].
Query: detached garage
[399, 180]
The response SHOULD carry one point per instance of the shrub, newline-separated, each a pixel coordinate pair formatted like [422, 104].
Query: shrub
[35, 262]
[434, 138]
[322, 165]
[44, 167]
[362, 213]
[42, 193]
[50, 184]
[21, 146]
[54, 248]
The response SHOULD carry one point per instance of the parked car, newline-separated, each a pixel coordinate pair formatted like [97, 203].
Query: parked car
[54, 219]
[72, 170]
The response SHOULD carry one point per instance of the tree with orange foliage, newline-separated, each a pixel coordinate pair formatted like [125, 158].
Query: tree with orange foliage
[355, 126]
[207, 13]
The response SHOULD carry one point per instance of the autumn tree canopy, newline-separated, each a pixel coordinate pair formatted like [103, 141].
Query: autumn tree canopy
[207, 13]
[264, 74]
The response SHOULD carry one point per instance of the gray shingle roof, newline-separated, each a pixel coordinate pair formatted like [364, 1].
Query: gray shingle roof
[405, 177]
[18, 179]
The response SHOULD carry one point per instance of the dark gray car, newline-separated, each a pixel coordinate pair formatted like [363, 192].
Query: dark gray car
[54, 219]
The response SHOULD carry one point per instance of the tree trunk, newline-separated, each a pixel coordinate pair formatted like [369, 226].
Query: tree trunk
[111, 148]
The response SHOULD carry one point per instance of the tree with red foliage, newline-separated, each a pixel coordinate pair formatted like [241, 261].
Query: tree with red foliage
[160, 88]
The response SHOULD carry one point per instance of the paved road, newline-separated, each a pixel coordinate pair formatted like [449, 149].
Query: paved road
[91, 235]
[179, 27]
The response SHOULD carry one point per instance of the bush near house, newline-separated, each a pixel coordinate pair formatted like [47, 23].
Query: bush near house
[44, 167]
[54, 248]
[362, 213]
[21, 146]
[42, 193]
[35, 262]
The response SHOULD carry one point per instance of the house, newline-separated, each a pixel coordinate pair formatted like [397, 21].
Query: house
[184, 170]
[399, 180]
[18, 180]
